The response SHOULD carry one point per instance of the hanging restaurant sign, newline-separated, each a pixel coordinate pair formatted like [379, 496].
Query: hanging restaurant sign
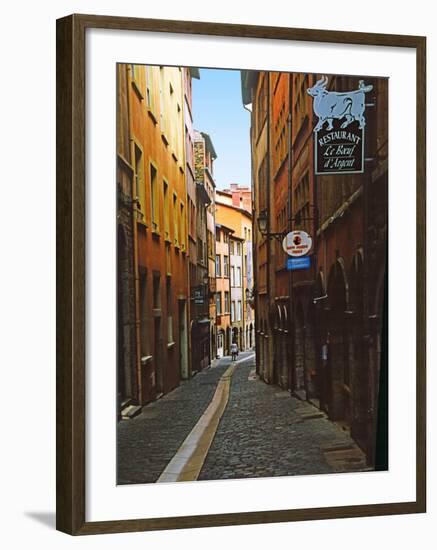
[339, 132]
[297, 243]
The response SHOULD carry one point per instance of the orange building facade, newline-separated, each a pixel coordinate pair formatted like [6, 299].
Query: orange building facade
[160, 229]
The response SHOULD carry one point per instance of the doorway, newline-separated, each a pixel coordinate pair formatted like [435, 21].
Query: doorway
[183, 343]
[157, 352]
[220, 344]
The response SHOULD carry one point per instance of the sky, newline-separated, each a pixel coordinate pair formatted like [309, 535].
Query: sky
[218, 110]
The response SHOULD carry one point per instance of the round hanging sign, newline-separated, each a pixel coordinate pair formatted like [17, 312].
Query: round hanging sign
[297, 243]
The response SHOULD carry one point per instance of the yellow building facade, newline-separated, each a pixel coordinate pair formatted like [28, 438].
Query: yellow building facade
[240, 222]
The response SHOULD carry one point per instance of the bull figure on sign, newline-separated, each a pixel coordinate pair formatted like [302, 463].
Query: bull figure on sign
[338, 105]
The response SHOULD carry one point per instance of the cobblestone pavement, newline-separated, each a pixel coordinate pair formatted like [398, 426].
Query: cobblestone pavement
[263, 432]
[147, 443]
[266, 432]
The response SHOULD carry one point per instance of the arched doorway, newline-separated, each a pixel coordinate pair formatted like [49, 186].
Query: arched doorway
[277, 337]
[359, 352]
[299, 352]
[261, 341]
[311, 363]
[124, 368]
[321, 337]
[339, 372]
[285, 349]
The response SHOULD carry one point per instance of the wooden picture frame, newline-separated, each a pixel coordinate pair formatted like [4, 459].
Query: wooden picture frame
[71, 283]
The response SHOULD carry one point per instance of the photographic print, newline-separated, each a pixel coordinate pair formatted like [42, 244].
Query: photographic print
[252, 221]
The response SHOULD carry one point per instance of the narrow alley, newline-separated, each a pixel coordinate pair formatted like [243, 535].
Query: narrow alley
[258, 420]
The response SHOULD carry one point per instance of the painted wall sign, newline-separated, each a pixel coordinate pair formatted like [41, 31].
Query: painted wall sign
[339, 132]
[298, 263]
[297, 243]
[198, 295]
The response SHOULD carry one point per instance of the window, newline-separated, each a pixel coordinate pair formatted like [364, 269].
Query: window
[225, 266]
[175, 220]
[169, 311]
[218, 266]
[154, 198]
[138, 79]
[238, 249]
[261, 103]
[233, 311]
[156, 292]
[150, 89]
[144, 314]
[245, 264]
[232, 275]
[225, 237]
[262, 184]
[238, 279]
[162, 99]
[239, 310]
[211, 244]
[139, 179]
[217, 235]
[182, 231]
[166, 211]
[231, 247]
[200, 251]
[226, 301]
[218, 303]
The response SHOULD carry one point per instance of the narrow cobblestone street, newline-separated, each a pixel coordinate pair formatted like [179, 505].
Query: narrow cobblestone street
[263, 432]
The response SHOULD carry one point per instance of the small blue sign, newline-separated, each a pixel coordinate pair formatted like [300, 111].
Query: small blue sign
[298, 263]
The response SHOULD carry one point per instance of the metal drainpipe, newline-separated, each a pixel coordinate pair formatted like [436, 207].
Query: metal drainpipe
[315, 259]
[292, 377]
[135, 238]
[269, 332]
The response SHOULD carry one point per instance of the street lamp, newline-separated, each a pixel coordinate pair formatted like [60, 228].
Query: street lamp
[263, 219]
[262, 222]
[262, 225]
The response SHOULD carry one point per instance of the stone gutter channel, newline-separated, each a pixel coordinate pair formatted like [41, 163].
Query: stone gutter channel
[190, 457]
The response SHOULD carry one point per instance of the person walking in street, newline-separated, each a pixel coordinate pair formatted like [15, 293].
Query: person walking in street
[234, 351]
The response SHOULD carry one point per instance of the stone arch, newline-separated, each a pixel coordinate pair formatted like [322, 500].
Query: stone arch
[278, 318]
[356, 282]
[358, 372]
[299, 348]
[338, 287]
[339, 363]
[320, 288]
